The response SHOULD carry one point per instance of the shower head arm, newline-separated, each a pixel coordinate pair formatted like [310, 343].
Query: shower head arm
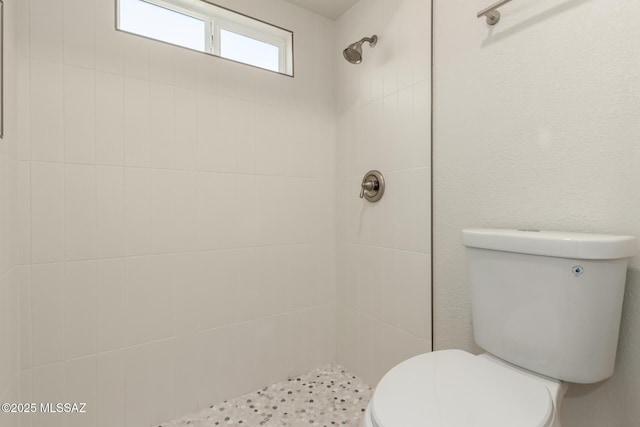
[373, 40]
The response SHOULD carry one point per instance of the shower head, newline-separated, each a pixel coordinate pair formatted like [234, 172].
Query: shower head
[353, 53]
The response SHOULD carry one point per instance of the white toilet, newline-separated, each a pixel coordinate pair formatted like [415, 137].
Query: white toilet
[546, 307]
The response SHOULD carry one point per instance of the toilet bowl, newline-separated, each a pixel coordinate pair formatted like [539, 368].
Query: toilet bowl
[453, 388]
[533, 299]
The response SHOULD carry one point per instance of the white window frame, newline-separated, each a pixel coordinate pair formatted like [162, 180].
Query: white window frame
[225, 19]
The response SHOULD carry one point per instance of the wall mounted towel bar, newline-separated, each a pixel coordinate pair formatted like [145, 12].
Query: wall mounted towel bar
[492, 14]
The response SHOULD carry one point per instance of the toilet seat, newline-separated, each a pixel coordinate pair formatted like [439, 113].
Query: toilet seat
[452, 388]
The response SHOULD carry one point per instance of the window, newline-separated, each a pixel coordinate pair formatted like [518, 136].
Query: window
[202, 26]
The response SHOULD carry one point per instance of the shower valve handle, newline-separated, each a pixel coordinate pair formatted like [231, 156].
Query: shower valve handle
[369, 186]
[372, 186]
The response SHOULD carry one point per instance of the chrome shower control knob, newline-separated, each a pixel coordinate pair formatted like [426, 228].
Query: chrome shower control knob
[372, 186]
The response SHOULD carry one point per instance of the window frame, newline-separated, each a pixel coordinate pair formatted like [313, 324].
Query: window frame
[231, 21]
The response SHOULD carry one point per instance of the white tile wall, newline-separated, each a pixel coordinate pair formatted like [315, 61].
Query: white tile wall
[176, 213]
[176, 216]
[383, 250]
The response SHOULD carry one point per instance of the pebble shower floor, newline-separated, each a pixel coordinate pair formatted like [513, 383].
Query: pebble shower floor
[325, 397]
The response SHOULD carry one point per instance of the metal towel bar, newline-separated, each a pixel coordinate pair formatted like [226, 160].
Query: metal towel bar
[492, 14]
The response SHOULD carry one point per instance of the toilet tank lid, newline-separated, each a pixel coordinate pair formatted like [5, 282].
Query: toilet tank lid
[558, 244]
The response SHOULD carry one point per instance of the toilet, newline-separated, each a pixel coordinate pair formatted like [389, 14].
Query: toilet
[546, 309]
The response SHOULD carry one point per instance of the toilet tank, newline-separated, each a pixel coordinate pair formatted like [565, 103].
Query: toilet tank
[549, 302]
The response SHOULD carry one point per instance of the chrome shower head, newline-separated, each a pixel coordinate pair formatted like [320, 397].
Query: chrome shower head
[353, 53]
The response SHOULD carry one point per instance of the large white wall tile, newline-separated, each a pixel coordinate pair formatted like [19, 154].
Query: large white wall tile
[247, 212]
[185, 68]
[219, 275]
[321, 322]
[256, 281]
[272, 147]
[22, 35]
[49, 385]
[162, 126]
[422, 108]
[137, 124]
[421, 24]
[48, 312]
[110, 207]
[26, 317]
[207, 74]
[47, 108]
[148, 291]
[80, 212]
[137, 199]
[5, 373]
[186, 211]
[240, 82]
[187, 294]
[11, 235]
[188, 375]
[26, 394]
[348, 275]
[79, 33]
[4, 215]
[81, 304]
[414, 298]
[81, 380]
[217, 366]
[79, 115]
[232, 136]
[136, 56]
[208, 205]
[163, 211]
[108, 43]
[186, 129]
[347, 337]
[314, 339]
[208, 134]
[23, 107]
[161, 365]
[159, 296]
[47, 212]
[228, 193]
[137, 387]
[110, 304]
[109, 120]
[161, 63]
[46, 25]
[110, 389]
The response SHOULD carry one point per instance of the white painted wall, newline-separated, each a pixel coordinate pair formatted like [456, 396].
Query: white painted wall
[384, 261]
[9, 314]
[536, 125]
[176, 215]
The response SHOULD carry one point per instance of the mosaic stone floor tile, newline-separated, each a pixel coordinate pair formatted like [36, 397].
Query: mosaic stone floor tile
[325, 397]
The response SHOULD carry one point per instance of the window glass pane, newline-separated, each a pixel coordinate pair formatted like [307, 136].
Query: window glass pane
[149, 20]
[250, 51]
